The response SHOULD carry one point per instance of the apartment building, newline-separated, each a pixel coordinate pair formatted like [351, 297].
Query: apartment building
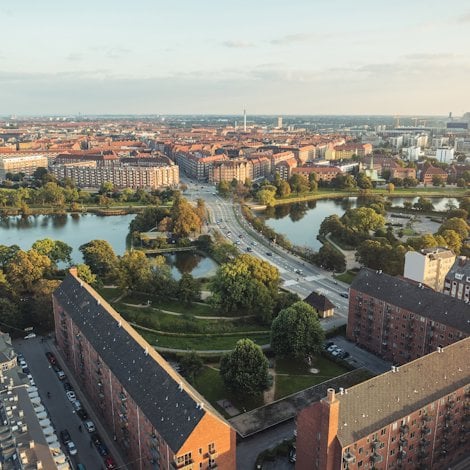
[429, 266]
[196, 165]
[285, 168]
[347, 151]
[88, 175]
[17, 163]
[324, 173]
[156, 417]
[400, 320]
[239, 169]
[457, 281]
[415, 417]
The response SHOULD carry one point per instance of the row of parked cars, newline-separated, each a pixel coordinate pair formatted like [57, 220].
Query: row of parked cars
[335, 351]
[87, 423]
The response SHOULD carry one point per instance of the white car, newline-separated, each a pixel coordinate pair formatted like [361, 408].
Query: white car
[71, 396]
[76, 405]
[332, 348]
[90, 426]
[31, 335]
[71, 448]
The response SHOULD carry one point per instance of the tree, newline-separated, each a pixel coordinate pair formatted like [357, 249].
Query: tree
[299, 183]
[342, 181]
[266, 197]
[245, 369]
[11, 318]
[56, 250]
[379, 254]
[424, 204]
[37, 309]
[465, 204]
[363, 181]
[189, 289]
[313, 181]
[247, 285]
[25, 269]
[330, 258]
[223, 188]
[100, 257]
[437, 180]
[185, 219]
[191, 365]
[52, 193]
[107, 188]
[410, 182]
[452, 240]
[390, 187]
[457, 225]
[296, 332]
[7, 253]
[362, 219]
[458, 213]
[283, 189]
[134, 270]
[85, 274]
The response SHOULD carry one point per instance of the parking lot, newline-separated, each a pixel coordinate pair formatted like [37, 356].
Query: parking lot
[64, 412]
[359, 357]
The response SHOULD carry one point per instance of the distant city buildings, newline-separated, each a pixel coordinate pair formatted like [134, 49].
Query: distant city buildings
[429, 266]
[417, 416]
[18, 163]
[155, 416]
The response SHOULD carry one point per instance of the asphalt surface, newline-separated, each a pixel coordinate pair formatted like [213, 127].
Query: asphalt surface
[59, 408]
[232, 225]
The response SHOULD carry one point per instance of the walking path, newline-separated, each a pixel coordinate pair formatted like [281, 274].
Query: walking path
[349, 255]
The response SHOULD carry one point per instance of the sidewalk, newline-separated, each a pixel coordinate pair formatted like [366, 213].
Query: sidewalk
[102, 431]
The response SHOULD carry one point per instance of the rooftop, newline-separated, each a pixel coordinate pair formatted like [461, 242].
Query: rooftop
[371, 405]
[170, 403]
[409, 296]
[319, 301]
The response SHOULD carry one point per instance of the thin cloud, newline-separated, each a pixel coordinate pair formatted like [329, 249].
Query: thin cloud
[465, 18]
[238, 44]
[117, 52]
[292, 39]
[430, 56]
[75, 57]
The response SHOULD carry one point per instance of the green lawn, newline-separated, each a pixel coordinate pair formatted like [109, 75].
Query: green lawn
[109, 293]
[201, 342]
[210, 385]
[299, 377]
[346, 277]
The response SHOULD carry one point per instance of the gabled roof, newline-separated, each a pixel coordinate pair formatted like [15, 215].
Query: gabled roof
[167, 400]
[409, 296]
[373, 404]
[319, 302]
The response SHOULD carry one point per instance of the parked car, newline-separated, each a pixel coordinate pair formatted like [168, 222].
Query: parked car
[82, 414]
[345, 295]
[292, 454]
[71, 448]
[68, 387]
[249, 249]
[51, 358]
[268, 253]
[337, 352]
[332, 348]
[344, 355]
[65, 436]
[30, 335]
[328, 344]
[90, 426]
[71, 396]
[61, 375]
[100, 447]
[77, 405]
[109, 463]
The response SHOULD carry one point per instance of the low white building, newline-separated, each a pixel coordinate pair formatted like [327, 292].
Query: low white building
[445, 154]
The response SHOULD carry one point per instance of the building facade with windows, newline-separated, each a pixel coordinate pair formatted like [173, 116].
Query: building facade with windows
[17, 163]
[457, 281]
[157, 418]
[415, 417]
[400, 320]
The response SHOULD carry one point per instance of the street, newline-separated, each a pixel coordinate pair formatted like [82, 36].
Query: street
[235, 228]
[58, 406]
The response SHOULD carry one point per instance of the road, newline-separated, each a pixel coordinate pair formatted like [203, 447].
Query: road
[235, 228]
[58, 406]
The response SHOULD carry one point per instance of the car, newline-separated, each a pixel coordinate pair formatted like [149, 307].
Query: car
[344, 355]
[22, 363]
[80, 466]
[268, 253]
[254, 243]
[71, 395]
[30, 336]
[328, 344]
[241, 235]
[332, 348]
[109, 463]
[102, 450]
[82, 414]
[238, 242]
[90, 426]
[345, 295]
[77, 405]
[292, 454]
[51, 358]
[26, 370]
[68, 387]
[335, 353]
[65, 436]
[249, 249]
[61, 374]
[71, 448]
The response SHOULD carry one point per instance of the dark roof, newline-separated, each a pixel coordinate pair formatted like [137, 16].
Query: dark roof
[147, 378]
[409, 296]
[371, 405]
[319, 301]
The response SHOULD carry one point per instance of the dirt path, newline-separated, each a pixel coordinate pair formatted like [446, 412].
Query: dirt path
[268, 395]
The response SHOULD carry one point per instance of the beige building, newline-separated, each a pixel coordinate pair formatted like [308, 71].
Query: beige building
[429, 266]
[15, 163]
[239, 169]
[123, 176]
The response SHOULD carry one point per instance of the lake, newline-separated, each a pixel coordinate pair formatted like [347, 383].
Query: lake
[78, 229]
[300, 222]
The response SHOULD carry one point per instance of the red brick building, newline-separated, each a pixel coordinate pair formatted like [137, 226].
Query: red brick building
[157, 418]
[415, 417]
[400, 320]
[324, 173]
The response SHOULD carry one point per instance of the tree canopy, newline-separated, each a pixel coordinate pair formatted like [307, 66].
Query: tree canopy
[296, 332]
[100, 257]
[245, 369]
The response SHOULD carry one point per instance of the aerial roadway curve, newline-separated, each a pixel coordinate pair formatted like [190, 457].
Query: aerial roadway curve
[297, 275]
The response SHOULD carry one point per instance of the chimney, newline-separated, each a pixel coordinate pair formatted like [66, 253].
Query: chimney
[73, 271]
[330, 395]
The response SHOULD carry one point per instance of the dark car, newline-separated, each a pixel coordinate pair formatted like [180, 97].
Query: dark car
[344, 355]
[328, 344]
[100, 447]
[51, 358]
[65, 436]
[345, 295]
[68, 386]
[268, 253]
[82, 414]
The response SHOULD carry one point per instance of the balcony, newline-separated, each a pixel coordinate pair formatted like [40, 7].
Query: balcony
[349, 458]
[403, 442]
[426, 418]
[450, 404]
[375, 444]
[404, 429]
[426, 430]
[122, 396]
[376, 458]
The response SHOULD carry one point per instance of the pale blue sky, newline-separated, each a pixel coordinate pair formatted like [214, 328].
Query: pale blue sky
[219, 56]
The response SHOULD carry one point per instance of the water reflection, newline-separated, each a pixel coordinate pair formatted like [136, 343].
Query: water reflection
[192, 263]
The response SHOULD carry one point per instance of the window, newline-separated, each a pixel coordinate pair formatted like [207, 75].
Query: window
[211, 448]
[184, 459]
[383, 431]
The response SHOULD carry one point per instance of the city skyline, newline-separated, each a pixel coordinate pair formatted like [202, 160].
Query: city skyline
[307, 58]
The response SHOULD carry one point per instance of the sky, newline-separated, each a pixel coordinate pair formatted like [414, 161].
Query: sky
[219, 57]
